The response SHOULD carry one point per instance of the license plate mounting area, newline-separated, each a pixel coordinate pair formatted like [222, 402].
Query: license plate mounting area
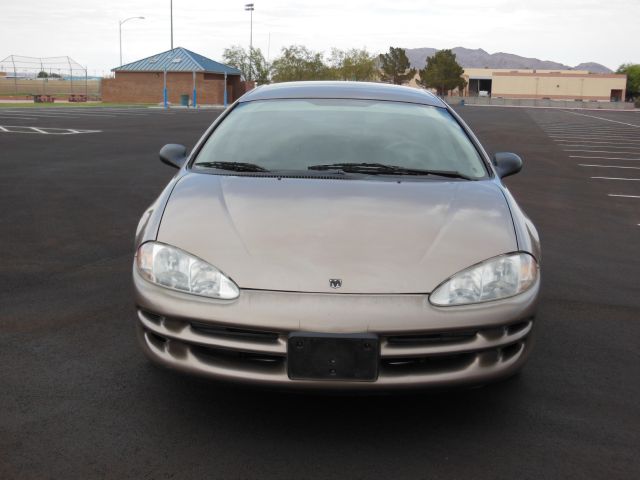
[333, 356]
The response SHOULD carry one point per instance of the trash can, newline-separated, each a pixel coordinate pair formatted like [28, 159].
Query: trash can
[184, 100]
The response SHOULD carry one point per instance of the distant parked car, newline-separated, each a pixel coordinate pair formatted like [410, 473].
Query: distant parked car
[338, 235]
[483, 93]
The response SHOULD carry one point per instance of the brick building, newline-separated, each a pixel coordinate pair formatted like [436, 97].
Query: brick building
[182, 71]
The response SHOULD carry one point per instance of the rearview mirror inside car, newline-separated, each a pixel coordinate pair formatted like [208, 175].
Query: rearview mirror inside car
[173, 155]
[507, 163]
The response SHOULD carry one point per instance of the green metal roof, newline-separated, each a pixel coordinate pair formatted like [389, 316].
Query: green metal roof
[177, 60]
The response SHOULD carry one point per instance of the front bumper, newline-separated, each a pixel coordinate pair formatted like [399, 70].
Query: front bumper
[420, 345]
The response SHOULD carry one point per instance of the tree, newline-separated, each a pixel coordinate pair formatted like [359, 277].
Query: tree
[354, 64]
[253, 66]
[236, 57]
[395, 66]
[442, 72]
[633, 79]
[43, 74]
[299, 63]
[260, 68]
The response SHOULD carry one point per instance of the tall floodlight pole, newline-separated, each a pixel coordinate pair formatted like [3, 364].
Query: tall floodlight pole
[171, 14]
[121, 22]
[249, 8]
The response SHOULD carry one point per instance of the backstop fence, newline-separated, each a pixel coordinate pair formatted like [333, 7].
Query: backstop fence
[23, 77]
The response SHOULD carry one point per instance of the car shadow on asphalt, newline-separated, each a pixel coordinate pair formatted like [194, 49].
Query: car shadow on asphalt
[251, 406]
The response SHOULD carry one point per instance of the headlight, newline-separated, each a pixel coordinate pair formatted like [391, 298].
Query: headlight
[493, 279]
[172, 268]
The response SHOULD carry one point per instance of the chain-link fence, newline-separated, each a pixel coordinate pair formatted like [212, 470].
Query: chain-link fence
[56, 77]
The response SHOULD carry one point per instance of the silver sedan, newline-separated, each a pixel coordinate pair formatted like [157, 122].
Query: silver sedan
[338, 235]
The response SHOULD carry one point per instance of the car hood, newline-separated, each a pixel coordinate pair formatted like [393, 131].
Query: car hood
[295, 234]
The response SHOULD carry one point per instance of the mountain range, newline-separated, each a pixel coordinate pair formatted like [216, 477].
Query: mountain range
[479, 58]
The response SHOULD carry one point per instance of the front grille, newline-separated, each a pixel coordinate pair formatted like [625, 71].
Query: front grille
[234, 333]
[260, 355]
[152, 316]
[510, 350]
[214, 354]
[517, 327]
[432, 339]
[158, 339]
[454, 341]
[442, 363]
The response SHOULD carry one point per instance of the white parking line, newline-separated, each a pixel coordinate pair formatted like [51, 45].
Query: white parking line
[603, 139]
[592, 128]
[62, 114]
[71, 112]
[600, 151]
[92, 113]
[603, 135]
[606, 158]
[39, 115]
[624, 196]
[43, 130]
[595, 130]
[579, 125]
[617, 133]
[85, 109]
[595, 135]
[597, 142]
[607, 166]
[602, 118]
[602, 146]
[616, 178]
[19, 118]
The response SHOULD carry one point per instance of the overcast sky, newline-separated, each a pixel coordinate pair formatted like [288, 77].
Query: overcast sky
[566, 31]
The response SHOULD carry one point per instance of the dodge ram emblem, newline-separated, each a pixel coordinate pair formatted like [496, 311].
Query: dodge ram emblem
[335, 282]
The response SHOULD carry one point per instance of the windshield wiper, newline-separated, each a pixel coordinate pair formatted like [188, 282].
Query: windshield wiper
[382, 169]
[234, 166]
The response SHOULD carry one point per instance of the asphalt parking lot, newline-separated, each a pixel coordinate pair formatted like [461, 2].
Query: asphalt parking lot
[79, 400]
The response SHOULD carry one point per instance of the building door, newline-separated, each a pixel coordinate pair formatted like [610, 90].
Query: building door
[478, 85]
[616, 95]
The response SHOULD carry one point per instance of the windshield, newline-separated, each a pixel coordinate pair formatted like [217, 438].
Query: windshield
[293, 135]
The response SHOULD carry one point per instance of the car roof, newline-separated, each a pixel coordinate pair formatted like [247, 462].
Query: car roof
[343, 90]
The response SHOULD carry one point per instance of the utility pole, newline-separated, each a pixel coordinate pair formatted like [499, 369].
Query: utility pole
[171, 14]
[249, 8]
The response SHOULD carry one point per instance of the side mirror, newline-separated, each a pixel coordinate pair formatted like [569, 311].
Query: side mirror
[173, 155]
[507, 163]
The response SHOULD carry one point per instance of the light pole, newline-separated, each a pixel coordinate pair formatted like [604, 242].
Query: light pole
[121, 22]
[249, 8]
